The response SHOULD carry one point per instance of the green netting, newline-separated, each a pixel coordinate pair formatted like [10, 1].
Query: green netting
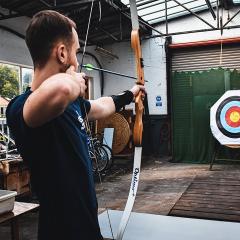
[193, 94]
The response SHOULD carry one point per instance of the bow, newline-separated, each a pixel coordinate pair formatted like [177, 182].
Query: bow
[138, 125]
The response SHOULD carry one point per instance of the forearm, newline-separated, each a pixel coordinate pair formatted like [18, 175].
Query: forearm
[101, 108]
[49, 100]
[106, 106]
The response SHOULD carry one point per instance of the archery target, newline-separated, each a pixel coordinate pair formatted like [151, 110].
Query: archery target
[225, 118]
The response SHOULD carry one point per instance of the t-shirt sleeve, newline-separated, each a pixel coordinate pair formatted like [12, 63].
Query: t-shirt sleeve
[85, 106]
[15, 120]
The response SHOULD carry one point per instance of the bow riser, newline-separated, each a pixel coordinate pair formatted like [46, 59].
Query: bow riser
[139, 108]
[135, 43]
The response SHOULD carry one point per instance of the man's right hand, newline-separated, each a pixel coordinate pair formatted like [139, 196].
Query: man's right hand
[79, 79]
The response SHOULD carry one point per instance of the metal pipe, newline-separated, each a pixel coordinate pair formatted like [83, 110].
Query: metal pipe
[45, 3]
[177, 12]
[140, 20]
[194, 14]
[166, 16]
[72, 4]
[144, 23]
[146, 14]
[205, 43]
[107, 33]
[231, 18]
[211, 9]
[179, 33]
[149, 2]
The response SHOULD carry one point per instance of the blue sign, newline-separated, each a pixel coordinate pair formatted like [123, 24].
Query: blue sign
[158, 104]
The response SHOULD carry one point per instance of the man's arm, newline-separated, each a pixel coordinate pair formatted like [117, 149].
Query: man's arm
[101, 108]
[52, 97]
[106, 106]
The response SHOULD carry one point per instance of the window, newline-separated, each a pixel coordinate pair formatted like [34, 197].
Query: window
[14, 79]
[9, 81]
[26, 77]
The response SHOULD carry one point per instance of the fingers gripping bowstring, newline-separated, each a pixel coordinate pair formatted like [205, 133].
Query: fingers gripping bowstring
[87, 120]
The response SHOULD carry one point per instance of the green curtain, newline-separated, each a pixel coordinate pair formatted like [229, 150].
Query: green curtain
[193, 94]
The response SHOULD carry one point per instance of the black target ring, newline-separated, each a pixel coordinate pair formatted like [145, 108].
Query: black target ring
[219, 121]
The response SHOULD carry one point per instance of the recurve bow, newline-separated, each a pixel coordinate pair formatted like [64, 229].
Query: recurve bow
[138, 125]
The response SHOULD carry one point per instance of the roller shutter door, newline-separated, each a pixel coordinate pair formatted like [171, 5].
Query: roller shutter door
[205, 58]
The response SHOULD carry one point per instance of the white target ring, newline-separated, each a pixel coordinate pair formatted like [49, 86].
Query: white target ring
[225, 119]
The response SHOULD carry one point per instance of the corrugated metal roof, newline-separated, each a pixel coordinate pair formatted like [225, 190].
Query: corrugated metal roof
[110, 20]
[153, 11]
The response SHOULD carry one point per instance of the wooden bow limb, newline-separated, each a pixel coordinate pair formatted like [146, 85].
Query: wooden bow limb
[138, 125]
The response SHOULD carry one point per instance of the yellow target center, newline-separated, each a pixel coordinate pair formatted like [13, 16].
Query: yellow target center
[235, 116]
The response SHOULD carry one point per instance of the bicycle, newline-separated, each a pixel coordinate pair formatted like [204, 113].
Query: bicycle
[98, 155]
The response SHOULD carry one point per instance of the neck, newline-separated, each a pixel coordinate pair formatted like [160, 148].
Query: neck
[42, 74]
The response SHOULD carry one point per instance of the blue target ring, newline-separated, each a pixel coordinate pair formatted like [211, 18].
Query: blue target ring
[223, 126]
[223, 117]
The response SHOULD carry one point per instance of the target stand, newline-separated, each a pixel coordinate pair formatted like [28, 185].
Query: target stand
[217, 155]
[225, 122]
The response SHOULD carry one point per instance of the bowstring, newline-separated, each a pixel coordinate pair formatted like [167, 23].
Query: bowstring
[86, 38]
[89, 132]
[87, 121]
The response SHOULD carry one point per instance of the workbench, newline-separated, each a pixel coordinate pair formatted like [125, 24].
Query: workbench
[20, 208]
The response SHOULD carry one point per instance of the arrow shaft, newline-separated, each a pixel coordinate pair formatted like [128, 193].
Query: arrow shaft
[108, 71]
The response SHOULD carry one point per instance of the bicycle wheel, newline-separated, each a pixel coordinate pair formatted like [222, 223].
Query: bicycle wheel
[110, 155]
[99, 159]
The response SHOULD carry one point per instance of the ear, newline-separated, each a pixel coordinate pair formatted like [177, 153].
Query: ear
[62, 53]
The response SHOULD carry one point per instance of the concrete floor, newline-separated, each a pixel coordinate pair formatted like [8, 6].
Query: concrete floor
[161, 184]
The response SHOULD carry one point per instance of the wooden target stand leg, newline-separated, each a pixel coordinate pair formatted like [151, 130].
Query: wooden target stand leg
[216, 150]
[217, 147]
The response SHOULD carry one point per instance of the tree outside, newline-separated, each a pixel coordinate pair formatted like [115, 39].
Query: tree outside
[9, 81]
[27, 75]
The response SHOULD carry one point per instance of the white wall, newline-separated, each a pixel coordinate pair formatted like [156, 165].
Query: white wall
[155, 71]
[192, 23]
[13, 48]
[95, 75]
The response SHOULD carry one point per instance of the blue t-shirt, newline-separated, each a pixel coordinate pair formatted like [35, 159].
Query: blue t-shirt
[61, 171]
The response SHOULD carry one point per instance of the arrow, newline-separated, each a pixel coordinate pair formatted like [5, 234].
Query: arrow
[90, 67]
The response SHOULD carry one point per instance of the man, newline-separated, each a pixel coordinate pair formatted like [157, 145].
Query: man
[47, 124]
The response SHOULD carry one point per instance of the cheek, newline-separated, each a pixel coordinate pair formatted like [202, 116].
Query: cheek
[76, 64]
[74, 61]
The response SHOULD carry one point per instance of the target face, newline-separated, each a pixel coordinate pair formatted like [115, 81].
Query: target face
[225, 118]
[228, 117]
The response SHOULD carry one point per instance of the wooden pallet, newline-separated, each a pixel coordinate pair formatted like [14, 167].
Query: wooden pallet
[215, 197]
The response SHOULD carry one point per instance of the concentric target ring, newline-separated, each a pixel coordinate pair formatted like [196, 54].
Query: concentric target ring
[228, 117]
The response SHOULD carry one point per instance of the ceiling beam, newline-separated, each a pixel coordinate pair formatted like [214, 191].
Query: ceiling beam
[211, 9]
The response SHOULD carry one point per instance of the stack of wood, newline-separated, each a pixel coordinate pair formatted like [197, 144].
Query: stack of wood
[14, 175]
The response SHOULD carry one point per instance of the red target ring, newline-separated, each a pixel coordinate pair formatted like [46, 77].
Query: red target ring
[233, 116]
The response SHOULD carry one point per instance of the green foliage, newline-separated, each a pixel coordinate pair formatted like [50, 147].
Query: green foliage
[9, 84]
